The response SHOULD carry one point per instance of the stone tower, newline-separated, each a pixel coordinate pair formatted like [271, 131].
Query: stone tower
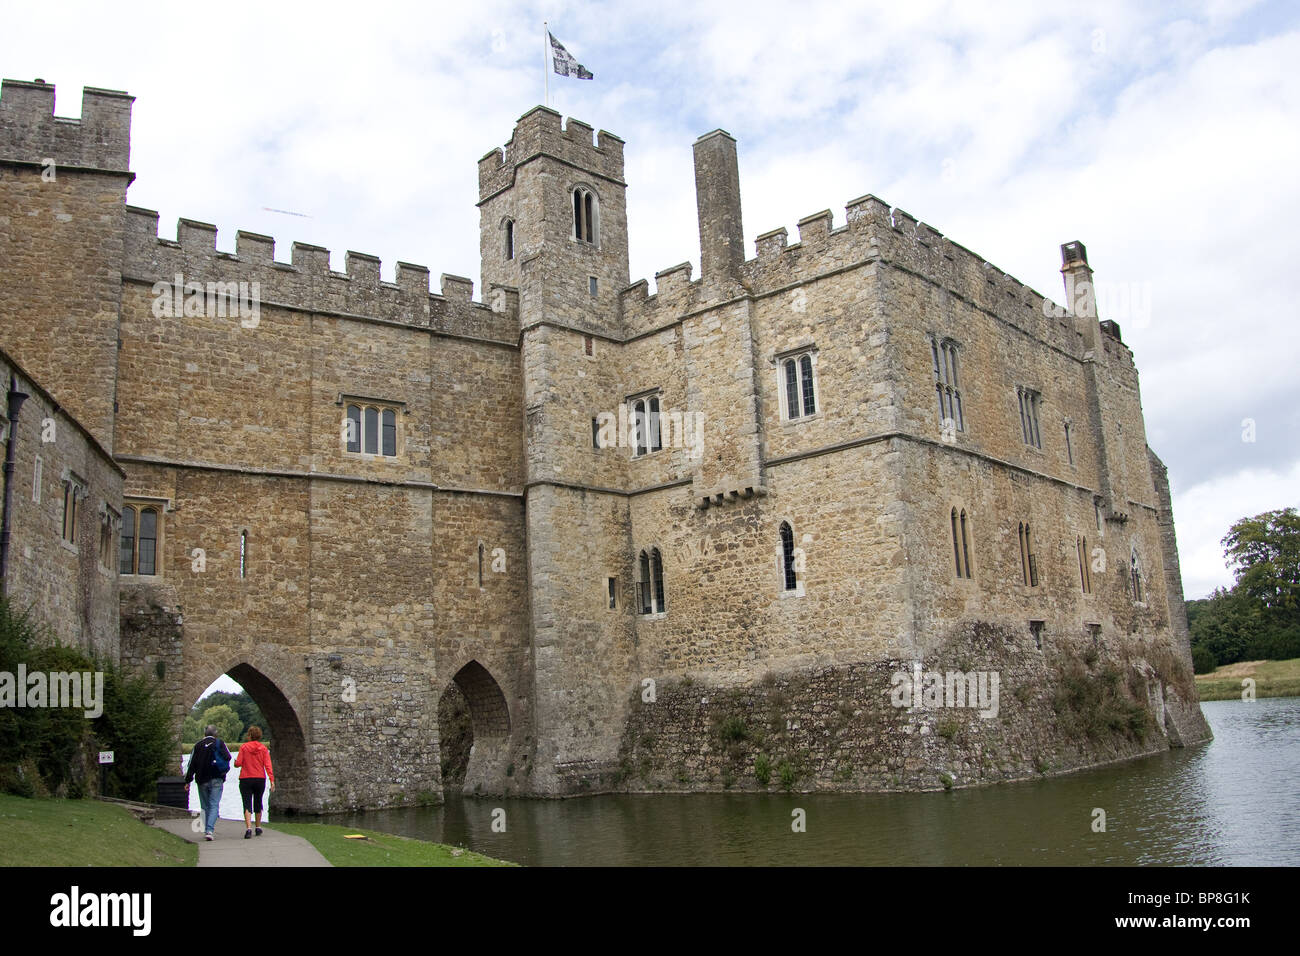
[554, 226]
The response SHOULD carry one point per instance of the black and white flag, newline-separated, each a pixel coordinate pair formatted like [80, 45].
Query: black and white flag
[565, 64]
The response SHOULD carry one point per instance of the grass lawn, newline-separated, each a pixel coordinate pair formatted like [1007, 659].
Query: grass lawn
[36, 832]
[1272, 679]
[380, 849]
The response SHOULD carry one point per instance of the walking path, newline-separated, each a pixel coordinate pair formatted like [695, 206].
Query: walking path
[229, 848]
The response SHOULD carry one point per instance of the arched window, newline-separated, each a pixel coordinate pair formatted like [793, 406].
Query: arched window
[138, 553]
[787, 557]
[586, 215]
[510, 238]
[947, 384]
[656, 433]
[650, 587]
[799, 386]
[960, 543]
[1028, 562]
[126, 554]
[641, 425]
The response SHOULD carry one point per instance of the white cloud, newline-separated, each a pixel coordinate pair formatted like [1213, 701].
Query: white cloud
[1163, 136]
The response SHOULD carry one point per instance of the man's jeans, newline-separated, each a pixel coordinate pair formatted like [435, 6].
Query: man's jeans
[210, 801]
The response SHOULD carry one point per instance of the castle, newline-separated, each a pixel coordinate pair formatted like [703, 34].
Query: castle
[648, 541]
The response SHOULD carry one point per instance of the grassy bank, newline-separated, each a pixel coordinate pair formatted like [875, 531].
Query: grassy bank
[1272, 679]
[380, 849]
[36, 832]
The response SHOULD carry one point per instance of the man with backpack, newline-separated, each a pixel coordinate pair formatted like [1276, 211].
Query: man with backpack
[209, 764]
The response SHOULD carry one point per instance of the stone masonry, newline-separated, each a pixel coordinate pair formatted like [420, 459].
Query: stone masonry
[475, 525]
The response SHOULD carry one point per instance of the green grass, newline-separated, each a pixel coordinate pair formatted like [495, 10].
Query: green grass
[36, 832]
[380, 849]
[1272, 679]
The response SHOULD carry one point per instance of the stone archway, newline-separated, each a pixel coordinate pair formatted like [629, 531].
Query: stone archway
[288, 743]
[489, 719]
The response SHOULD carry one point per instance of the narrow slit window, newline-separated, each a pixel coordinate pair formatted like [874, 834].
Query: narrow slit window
[243, 554]
[965, 547]
[787, 557]
[1069, 447]
[591, 285]
[612, 587]
[956, 545]
[657, 568]
[643, 585]
[480, 564]
[38, 472]
[510, 239]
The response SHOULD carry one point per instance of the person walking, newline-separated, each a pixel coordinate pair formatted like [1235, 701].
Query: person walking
[254, 763]
[209, 764]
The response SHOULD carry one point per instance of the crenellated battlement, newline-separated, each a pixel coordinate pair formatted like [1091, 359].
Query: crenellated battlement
[31, 133]
[872, 231]
[540, 132]
[307, 281]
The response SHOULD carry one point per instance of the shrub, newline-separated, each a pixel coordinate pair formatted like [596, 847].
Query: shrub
[1203, 661]
[762, 770]
[785, 770]
[733, 728]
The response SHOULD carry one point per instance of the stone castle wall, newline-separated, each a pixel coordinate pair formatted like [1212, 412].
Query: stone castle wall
[480, 555]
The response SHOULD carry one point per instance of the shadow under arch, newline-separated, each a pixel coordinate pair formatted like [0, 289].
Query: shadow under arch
[489, 718]
[288, 743]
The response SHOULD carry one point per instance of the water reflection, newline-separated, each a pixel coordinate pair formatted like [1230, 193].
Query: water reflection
[1231, 802]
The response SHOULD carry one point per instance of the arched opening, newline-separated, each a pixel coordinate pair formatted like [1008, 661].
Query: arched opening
[474, 731]
[245, 696]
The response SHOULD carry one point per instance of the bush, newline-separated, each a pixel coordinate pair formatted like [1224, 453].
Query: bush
[55, 744]
[733, 728]
[762, 770]
[1203, 661]
[785, 770]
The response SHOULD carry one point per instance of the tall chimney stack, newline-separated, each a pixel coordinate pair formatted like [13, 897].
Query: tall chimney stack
[717, 200]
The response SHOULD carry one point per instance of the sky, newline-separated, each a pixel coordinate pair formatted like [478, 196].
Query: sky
[1165, 136]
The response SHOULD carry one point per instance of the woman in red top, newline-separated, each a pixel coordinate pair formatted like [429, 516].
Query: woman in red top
[254, 763]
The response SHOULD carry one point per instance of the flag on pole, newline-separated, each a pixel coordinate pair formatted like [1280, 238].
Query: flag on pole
[564, 63]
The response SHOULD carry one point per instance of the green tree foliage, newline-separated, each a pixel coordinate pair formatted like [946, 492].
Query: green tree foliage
[54, 746]
[242, 704]
[1264, 553]
[1259, 617]
[224, 718]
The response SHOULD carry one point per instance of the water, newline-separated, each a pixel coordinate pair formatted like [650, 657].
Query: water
[231, 806]
[1234, 801]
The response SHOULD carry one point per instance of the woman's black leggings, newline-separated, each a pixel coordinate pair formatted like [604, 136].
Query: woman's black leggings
[250, 790]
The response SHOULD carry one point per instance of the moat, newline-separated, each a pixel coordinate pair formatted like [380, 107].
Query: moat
[1229, 802]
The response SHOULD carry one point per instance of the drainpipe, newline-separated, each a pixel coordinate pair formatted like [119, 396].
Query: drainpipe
[16, 399]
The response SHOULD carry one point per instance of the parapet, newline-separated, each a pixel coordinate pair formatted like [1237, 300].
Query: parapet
[30, 132]
[539, 132]
[307, 282]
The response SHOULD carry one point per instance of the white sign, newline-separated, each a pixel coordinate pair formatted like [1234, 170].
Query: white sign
[106, 756]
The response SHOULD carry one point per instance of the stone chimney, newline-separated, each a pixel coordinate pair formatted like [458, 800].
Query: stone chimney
[717, 199]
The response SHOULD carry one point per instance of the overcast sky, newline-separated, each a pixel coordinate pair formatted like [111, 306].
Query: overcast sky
[1166, 137]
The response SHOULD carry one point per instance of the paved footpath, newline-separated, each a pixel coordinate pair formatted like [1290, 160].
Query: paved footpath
[229, 848]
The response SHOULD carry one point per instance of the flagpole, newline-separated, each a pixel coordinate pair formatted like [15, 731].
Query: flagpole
[546, 74]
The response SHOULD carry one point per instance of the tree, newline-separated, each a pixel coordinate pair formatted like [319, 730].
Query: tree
[1264, 553]
[224, 718]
